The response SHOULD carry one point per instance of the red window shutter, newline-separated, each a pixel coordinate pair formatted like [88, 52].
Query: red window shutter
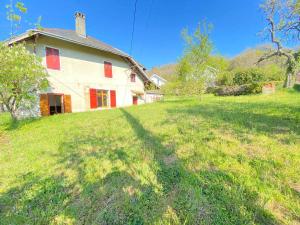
[93, 98]
[52, 58]
[113, 100]
[108, 69]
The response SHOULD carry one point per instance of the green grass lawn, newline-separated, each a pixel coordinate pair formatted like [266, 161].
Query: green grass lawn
[215, 160]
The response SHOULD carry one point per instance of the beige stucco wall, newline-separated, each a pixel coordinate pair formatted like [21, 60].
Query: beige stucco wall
[82, 68]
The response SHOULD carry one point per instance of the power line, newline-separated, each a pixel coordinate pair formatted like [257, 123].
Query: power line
[133, 26]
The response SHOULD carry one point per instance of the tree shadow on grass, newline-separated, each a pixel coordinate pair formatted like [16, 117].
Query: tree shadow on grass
[209, 197]
[100, 184]
[111, 196]
[11, 125]
[36, 201]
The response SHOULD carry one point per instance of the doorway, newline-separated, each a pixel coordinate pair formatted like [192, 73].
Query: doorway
[134, 100]
[55, 104]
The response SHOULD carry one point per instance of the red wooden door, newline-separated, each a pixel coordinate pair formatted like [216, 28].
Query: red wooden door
[135, 100]
[113, 100]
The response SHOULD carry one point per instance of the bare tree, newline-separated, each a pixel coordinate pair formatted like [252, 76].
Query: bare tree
[283, 26]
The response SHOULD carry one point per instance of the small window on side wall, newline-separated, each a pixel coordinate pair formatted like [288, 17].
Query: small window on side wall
[132, 77]
[108, 69]
[52, 58]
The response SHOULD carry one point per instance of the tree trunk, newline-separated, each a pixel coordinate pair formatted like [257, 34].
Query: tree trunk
[12, 109]
[14, 115]
[2, 108]
[289, 81]
[290, 73]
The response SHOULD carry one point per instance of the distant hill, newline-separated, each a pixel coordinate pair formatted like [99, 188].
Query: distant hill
[165, 71]
[246, 59]
[249, 58]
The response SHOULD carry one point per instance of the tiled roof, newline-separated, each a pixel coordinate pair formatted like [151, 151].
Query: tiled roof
[71, 35]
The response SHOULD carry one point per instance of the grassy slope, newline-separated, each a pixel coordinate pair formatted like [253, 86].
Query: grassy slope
[232, 160]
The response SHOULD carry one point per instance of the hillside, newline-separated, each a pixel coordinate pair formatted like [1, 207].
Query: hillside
[165, 71]
[250, 57]
[245, 59]
[233, 160]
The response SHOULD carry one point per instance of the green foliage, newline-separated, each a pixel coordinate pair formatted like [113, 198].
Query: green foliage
[297, 87]
[150, 86]
[252, 75]
[283, 18]
[181, 161]
[247, 80]
[190, 71]
[15, 13]
[244, 69]
[225, 78]
[248, 76]
[184, 68]
[22, 76]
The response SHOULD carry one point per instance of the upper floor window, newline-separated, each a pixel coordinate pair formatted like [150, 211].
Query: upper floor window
[108, 69]
[52, 58]
[132, 77]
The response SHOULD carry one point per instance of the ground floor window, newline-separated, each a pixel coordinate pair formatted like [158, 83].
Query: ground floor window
[102, 98]
[55, 104]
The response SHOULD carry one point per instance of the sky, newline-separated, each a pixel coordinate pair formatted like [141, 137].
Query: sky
[157, 37]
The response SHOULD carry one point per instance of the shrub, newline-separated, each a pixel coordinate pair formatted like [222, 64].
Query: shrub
[211, 90]
[248, 76]
[297, 87]
[225, 78]
[255, 88]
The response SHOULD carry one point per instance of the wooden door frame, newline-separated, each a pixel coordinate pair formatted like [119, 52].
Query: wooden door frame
[62, 101]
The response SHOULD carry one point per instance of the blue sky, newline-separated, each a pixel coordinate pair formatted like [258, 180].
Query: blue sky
[157, 39]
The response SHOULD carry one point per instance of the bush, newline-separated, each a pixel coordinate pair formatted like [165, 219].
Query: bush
[245, 89]
[249, 76]
[211, 90]
[297, 87]
[225, 78]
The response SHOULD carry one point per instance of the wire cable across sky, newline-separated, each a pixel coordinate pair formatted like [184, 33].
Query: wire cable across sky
[133, 26]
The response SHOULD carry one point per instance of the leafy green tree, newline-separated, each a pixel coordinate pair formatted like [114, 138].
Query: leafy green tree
[22, 77]
[14, 15]
[283, 25]
[197, 50]
[191, 79]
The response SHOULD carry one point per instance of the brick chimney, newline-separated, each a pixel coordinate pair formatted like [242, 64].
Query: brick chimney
[80, 24]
